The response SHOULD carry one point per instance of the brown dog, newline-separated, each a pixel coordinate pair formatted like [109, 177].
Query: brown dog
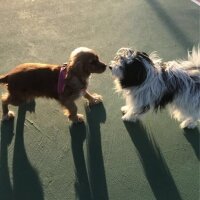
[64, 83]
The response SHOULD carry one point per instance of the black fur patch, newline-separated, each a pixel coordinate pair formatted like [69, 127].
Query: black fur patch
[167, 98]
[134, 74]
[144, 56]
[169, 95]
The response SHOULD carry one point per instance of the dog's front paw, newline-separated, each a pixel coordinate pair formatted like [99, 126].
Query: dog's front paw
[95, 99]
[10, 115]
[129, 118]
[77, 118]
[124, 109]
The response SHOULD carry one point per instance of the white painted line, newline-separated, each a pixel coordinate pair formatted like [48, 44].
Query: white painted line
[197, 2]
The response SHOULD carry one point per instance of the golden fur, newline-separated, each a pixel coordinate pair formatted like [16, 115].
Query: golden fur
[30, 80]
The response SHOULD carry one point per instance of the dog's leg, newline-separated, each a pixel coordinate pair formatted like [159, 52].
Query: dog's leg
[130, 115]
[129, 111]
[6, 113]
[93, 99]
[124, 109]
[186, 120]
[188, 123]
[72, 112]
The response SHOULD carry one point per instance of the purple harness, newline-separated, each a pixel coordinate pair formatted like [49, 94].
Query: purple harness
[61, 80]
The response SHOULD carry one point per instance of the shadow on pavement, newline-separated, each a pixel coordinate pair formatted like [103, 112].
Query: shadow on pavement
[78, 136]
[193, 137]
[6, 191]
[154, 165]
[90, 181]
[96, 115]
[169, 22]
[26, 182]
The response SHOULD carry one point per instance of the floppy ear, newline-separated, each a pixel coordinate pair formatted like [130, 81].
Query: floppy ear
[134, 74]
[75, 67]
[86, 69]
[80, 69]
[144, 56]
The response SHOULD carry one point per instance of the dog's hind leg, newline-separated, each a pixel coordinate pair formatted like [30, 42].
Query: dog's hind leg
[184, 117]
[9, 99]
[6, 113]
[188, 123]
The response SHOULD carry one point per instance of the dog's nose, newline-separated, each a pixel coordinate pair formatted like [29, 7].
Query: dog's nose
[110, 67]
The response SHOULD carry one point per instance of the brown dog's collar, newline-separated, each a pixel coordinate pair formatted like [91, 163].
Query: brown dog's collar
[61, 79]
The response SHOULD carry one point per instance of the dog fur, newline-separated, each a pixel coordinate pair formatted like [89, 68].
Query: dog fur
[30, 80]
[148, 83]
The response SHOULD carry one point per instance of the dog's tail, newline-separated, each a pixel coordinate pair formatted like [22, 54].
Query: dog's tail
[194, 57]
[3, 79]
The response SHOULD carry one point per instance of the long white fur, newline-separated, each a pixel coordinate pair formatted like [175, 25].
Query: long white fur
[186, 105]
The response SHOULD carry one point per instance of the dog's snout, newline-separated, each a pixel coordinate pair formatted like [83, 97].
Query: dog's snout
[104, 65]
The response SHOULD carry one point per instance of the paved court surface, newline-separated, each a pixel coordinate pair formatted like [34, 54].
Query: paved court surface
[43, 157]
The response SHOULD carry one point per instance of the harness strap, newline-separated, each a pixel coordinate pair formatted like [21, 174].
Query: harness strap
[61, 79]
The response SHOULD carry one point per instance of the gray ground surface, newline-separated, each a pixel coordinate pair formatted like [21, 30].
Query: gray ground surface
[47, 157]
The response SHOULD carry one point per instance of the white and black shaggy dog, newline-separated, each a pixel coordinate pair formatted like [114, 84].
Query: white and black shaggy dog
[148, 83]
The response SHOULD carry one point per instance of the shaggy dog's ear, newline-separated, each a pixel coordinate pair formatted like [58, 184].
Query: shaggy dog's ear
[144, 56]
[134, 74]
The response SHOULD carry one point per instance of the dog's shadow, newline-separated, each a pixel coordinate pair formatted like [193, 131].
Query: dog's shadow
[95, 117]
[178, 33]
[90, 173]
[193, 137]
[6, 190]
[154, 165]
[78, 136]
[26, 182]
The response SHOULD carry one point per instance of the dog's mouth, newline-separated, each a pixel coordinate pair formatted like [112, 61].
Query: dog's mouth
[101, 68]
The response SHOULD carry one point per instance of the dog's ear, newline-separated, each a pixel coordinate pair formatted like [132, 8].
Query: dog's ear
[79, 68]
[75, 67]
[144, 56]
[134, 74]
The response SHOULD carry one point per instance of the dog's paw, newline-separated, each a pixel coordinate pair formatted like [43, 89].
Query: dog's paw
[80, 118]
[96, 99]
[77, 119]
[188, 124]
[124, 109]
[10, 115]
[129, 118]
